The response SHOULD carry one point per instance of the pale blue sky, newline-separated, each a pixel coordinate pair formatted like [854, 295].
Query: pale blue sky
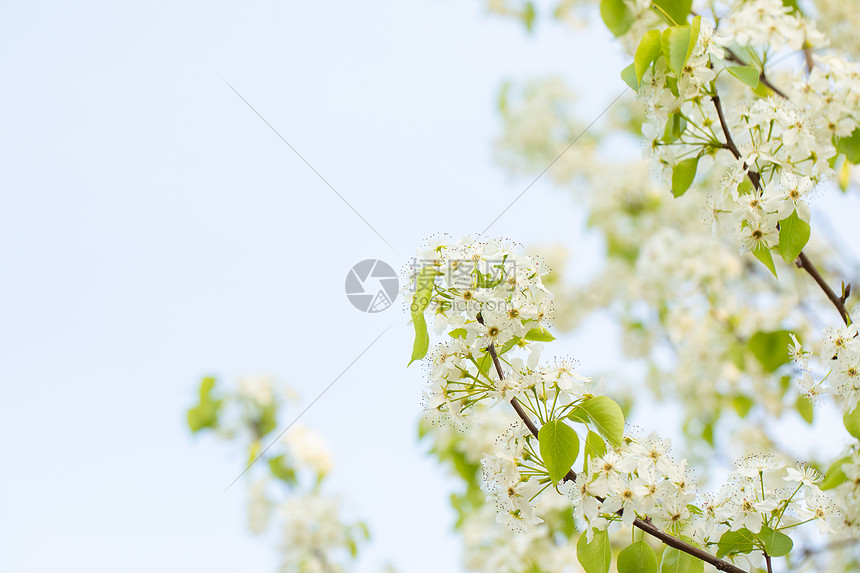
[153, 230]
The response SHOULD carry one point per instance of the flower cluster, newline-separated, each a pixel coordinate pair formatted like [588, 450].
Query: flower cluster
[624, 477]
[782, 146]
[840, 353]
[485, 294]
[286, 477]
[770, 24]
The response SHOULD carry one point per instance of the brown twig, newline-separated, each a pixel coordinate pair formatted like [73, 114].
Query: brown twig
[644, 525]
[810, 63]
[804, 263]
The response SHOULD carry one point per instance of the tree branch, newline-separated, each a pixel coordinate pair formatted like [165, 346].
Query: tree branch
[802, 261]
[644, 525]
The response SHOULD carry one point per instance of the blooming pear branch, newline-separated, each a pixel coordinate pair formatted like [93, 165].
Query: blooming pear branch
[803, 261]
[644, 525]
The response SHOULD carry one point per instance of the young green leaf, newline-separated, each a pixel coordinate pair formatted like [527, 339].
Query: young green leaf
[747, 74]
[673, 11]
[793, 236]
[852, 422]
[762, 253]
[770, 348]
[616, 16]
[423, 290]
[508, 345]
[628, 74]
[484, 363]
[268, 419]
[676, 561]
[281, 469]
[607, 417]
[735, 542]
[742, 405]
[577, 414]
[834, 475]
[675, 126]
[637, 557]
[695, 28]
[595, 447]
[559, 447]
[683, 175]
[422, 338]
[205, 413]
[795, 9]
[648, 51]
[539, 334]
[676, 43]
[804, 408]
[850, 146]
[528, 15]
[596, 556]
[776, 543]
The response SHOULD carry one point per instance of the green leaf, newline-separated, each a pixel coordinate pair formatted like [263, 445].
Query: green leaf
[675, 561]
[206, 387]
[762, 253]
[422, 338]
[628, 74]
[683, 175]
[834, 475]
[607, 417]
[595, 556]
[676, 43]
[281, 470]
[742, 405]
[843, 177]
[776, 543]
[747, 74]
[484, 363]
[267, 421]
[508, 345]
[795, 9]
[804, 408]
[205, 413]
[850, 146]
[577, 414]
[595, 447]
[458, 333]
[673, 11]
[695, 28]
[735, 542]
[559, 447]
[745, 187]
[648, 51]
[675, 126]
[539, 334]
[770, 348]
[852, 422]
[423, 290]
[528, 16]
[616, 15]
[637, 558]
[793, 236]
